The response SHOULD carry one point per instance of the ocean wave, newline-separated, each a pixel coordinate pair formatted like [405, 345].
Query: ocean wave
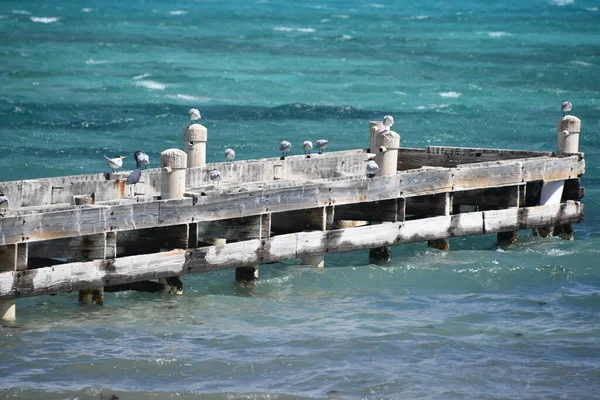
[377, 5]
[187, 97]
[419, 17]
[289, 29]
[592, 9]
[152, 85]
[142, 76]
[452, 95]
[21, 12]
[585, 64]
[346, 37]
[562, 2]
[341, 16]
[433, 107]
[86, 10]
[178, 12]
[96, 62]
[45, 20]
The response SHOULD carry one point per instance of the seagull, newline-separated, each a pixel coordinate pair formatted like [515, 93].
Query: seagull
[115, 163]
[141, 159]
[194, 115]
[322, 145]
[388, 121]
[215, 176]
[372, 166]
[566, 107]
[285, 148]
[134, 178]
[3, 201]
[229, 154]
[307, 144]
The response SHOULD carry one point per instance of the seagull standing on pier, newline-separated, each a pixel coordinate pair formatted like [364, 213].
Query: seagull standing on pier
[141, 159]
[194, 115]
[307, 144]
[133, 179]
[229, 154]
[322, 145]
[388, 121]
[3, 203]
[372, 166]
[115, 163]
[284, 148]
[566, 107]
[215, 176]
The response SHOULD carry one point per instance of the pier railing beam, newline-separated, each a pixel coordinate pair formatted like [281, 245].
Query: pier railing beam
[194, 138]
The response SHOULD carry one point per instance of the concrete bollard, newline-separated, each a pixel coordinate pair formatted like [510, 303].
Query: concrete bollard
[569, 127]
[172, 179]
[376, 127]
[194, 138]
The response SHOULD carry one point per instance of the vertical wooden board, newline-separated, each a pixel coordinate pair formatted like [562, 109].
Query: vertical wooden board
[482, 176]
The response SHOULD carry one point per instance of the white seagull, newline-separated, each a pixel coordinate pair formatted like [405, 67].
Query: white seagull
[372, 166]
[194, 115]
[388, 121]
[229, 154]
[215, 176]
[566, 107]
[115, 163]
[322, 145]
[285, 148]
[307, 144]
[141, 159]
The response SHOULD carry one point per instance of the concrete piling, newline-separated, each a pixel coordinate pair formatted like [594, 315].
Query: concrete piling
[172, 180]
[194, 139]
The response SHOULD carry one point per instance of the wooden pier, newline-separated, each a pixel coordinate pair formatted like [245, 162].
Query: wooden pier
[92, 233]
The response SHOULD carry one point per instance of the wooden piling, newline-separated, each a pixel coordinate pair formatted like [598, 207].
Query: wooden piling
[172, 179]
[194, 138]
[12, 258]
[94, 247]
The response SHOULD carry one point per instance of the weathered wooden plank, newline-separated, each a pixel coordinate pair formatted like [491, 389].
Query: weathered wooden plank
[425, 181]
[533, 217]
[131, 216]
[493, 174]
[99, 273]
[559, 168]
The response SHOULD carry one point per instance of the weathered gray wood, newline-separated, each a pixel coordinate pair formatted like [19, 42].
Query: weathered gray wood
[83, 275]
[232, 230]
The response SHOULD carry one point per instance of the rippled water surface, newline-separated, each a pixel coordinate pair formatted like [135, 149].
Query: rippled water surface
[87, 78]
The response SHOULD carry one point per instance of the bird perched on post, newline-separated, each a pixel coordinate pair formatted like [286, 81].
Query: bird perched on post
[3, 203]
[388, 121]
[215, 176]
[229, 154]
[141, 159]
[566, 107]
[285, 148]
[372, 166]
[322, 145]
[308, 145]
[134, 179]
[194, 115]
[115, 163]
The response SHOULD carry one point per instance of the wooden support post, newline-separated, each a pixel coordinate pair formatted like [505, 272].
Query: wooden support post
[172, 179]
[317, 221]
[440, 204]
[194, 138]
[512, 196]
[12, 258]
[174, 237]
[551, 194]
[92, 247]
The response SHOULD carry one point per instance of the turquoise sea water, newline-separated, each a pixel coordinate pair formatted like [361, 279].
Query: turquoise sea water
[79, 79]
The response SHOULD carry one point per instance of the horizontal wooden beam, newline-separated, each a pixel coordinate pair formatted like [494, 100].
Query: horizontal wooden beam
[100, 273]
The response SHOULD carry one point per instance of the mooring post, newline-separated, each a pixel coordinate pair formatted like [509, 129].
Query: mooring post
[385, 144]
[568, 129]
[12, 258]
[194, 138]
[172, 178]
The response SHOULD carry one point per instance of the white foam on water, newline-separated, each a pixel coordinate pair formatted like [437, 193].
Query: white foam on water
[498, 34]
[96, 62]
[152, 85]
[21, 12]
[187, 97]
[86, 10]
[45, 20]
[142, 76]
[452, 95]
[346, 37]
[377, 5]
[419, 17]
[562, 2]
[325, 20]
[399, 92]
[341, 16]
[585, 64]
[592, 9]
[178, 12]
[289, 29]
